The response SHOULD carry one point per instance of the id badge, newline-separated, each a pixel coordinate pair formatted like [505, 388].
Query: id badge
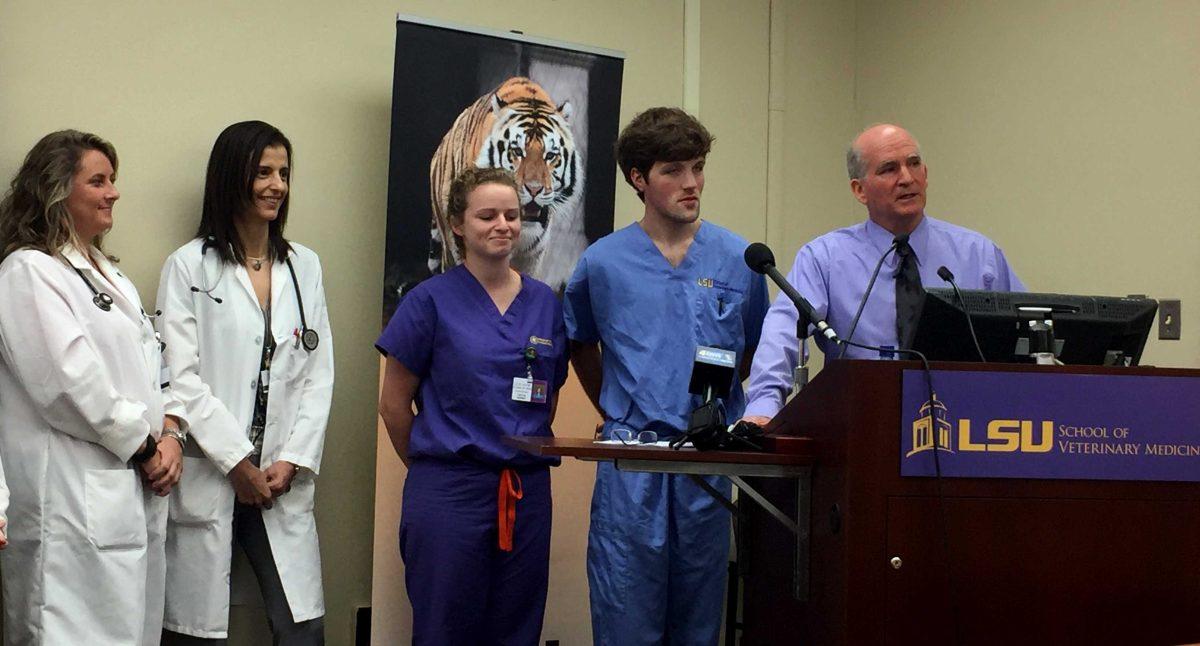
[540, 390]
[522, 390]
[533, 391]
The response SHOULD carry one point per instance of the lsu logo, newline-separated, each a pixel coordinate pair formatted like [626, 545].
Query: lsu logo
[924, 427]
[1001, 436]
[705, 282]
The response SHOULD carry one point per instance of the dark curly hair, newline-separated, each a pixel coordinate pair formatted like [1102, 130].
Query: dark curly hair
[660, 135]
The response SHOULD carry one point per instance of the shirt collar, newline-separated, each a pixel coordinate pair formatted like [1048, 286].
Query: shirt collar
[881, 239]
[104, 279]
[75, 257]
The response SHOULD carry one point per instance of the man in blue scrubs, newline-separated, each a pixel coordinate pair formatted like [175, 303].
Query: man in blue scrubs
[639, 303]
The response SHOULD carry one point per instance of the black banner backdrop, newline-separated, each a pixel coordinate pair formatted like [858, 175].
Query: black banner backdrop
[547, 111]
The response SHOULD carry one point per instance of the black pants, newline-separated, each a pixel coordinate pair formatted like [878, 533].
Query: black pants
[251, 534]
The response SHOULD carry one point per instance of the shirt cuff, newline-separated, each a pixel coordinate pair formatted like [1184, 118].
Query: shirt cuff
[298, 460]
[126, 448]
[230, 459]
[762, 406]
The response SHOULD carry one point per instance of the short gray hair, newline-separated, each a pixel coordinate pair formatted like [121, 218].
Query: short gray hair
[856, 166]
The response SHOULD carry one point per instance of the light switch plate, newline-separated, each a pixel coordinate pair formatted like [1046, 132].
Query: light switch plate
[1168, 319]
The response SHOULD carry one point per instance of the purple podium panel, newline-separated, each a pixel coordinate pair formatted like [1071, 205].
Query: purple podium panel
[1051, 426]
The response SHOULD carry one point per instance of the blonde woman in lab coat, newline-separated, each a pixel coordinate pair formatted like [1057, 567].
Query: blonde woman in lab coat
[88, 430]
[250, 354]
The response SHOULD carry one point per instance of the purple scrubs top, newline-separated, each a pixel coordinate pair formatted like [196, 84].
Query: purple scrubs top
[448, 332]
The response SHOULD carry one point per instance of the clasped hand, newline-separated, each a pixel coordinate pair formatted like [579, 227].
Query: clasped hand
[260, 487]
[163, 470]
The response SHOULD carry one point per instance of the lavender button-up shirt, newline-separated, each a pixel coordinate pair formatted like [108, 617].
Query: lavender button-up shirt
[832, 273]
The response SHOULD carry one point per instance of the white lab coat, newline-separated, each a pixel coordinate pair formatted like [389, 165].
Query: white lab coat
[214, 351]
[80, 390]
[3, 493]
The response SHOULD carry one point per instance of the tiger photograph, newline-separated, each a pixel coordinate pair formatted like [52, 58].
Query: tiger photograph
[546, 112]
[517, 127]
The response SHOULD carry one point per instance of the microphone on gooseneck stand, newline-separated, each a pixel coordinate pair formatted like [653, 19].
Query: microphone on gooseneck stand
[948, 276]
[761, 260]
[896, 242]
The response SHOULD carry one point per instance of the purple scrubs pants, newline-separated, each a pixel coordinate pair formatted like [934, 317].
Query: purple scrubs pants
[464, 590]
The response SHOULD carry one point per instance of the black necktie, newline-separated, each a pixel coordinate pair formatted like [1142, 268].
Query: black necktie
[908, 294]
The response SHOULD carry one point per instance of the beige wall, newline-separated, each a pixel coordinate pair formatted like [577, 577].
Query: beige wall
[813, 114]
[1059, 129]
[1064, 130]
[160, 80]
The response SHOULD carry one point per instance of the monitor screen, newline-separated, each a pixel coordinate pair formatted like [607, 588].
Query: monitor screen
[1088, 330]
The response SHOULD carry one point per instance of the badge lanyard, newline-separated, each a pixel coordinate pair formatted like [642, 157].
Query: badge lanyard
[528, 389]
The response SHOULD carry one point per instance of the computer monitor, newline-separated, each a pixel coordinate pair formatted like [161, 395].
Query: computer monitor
[1088, 330]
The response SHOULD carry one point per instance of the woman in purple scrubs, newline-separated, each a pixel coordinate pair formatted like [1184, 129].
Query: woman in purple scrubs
[482, 350]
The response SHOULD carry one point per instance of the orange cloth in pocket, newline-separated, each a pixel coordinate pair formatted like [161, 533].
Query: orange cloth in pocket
[510, 493]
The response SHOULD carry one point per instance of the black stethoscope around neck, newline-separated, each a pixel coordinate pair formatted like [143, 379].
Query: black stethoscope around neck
[99, 299]
[308, 336]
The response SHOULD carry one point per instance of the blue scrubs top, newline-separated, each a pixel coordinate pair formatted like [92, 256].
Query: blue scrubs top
[448, 332]
[649, 317]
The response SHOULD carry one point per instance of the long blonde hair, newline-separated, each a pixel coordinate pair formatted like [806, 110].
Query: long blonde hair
[33, 213]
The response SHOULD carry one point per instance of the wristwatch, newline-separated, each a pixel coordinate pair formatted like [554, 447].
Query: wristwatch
[146, 453]
[177, 434]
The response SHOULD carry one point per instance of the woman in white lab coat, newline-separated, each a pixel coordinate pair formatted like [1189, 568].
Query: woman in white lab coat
[87, 428]
[250, 356]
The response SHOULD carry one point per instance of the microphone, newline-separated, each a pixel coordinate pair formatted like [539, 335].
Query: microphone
[761, 260]
[945, 274]
[197, 290]
[896, 242]
[712, 373]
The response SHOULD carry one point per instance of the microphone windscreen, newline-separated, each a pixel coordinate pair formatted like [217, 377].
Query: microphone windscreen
[758, 256]
[945, 274]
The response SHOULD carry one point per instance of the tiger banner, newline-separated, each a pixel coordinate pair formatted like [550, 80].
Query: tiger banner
[546, 111]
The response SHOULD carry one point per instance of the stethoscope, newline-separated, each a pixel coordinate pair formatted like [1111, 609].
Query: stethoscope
[308, 336]
[105, 302]
[99, 299]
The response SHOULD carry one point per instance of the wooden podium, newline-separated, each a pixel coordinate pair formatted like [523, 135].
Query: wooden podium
[997, 561]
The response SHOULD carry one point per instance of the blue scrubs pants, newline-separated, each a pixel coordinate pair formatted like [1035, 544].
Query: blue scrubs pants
[657, 559]
[464, 590]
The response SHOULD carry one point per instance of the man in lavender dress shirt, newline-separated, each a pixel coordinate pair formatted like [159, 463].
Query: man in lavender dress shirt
[888, 175]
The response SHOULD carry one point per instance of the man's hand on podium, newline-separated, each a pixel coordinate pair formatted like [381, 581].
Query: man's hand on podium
[756, 419]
